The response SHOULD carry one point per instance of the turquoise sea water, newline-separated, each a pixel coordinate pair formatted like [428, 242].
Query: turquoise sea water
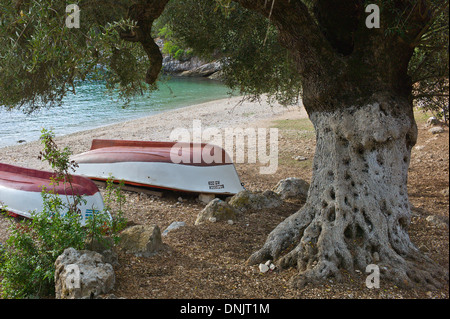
[91, 107]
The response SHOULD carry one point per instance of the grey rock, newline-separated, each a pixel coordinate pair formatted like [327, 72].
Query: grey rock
[436, 130]
[203, 70]
[82, 274]
[105, 247]
[216, 76]
[216, 210]
[175, 67]
[246, 200]
[141, 240]
[173, 226]
[263, 268]
[206, 198]
[292, 187]
[436, 221]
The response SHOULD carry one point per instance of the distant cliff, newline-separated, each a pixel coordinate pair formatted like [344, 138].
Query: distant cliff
[191, 67]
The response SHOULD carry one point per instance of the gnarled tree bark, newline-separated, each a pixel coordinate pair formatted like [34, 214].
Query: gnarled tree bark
[358, 96]
[357, 212]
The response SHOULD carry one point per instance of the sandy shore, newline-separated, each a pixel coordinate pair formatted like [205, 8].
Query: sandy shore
[230, 112]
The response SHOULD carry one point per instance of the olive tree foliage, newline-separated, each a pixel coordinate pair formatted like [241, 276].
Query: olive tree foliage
[253, 61]
[41, 59]
[429, 67]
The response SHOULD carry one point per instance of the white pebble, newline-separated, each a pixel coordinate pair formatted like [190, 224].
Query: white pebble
[263, 268]
[212, 219]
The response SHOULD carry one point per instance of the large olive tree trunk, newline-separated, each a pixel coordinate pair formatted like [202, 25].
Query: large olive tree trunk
[357, 212]
[357, 93]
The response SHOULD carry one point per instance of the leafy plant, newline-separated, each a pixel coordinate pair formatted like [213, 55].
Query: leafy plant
[253, 61]
[112, 221]
[171, 47]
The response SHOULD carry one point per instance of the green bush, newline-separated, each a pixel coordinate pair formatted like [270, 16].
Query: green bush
[171, 46]
[31, 250]
[28, 256]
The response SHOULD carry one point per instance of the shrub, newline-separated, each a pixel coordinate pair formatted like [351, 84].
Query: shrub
[29, 255]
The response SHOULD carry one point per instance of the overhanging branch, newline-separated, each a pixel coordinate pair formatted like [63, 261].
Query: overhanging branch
[145, 12]
[298, 30]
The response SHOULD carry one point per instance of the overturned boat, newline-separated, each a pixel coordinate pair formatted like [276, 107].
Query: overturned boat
[21, 192]
[188, 167]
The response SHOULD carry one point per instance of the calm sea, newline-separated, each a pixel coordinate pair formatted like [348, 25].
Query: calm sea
[91, 107]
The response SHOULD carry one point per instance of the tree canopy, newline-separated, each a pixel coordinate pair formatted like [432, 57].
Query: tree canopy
[252, 58]
[429, 67]
[41, 59]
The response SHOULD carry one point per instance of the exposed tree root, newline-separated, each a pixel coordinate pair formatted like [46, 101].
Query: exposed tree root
[357, 212]
[319, 254]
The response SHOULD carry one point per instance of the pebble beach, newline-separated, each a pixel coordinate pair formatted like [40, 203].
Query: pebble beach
[224, 113]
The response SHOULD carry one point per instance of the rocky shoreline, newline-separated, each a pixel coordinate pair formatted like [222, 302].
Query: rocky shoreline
[190, 67]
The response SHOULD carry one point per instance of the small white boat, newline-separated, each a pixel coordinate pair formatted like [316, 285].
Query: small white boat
[21, 192]
[188, 167]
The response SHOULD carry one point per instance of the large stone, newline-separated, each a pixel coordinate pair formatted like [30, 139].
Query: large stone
[141, 240]
[203, 70]
[206, 198]
[246, 200]
[105, 247]
[292, 188]
[216, 210]
[437, 221]
[436, 130]
[82, 274]
[263, 268]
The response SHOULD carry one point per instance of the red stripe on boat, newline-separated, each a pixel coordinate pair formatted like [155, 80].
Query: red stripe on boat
[32, 180]
[116, 151]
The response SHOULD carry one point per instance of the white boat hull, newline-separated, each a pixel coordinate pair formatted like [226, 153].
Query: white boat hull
[27, 204]
[222, 179]
[21, 192]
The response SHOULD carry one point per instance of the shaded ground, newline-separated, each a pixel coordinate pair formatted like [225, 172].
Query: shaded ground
[208, 261]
